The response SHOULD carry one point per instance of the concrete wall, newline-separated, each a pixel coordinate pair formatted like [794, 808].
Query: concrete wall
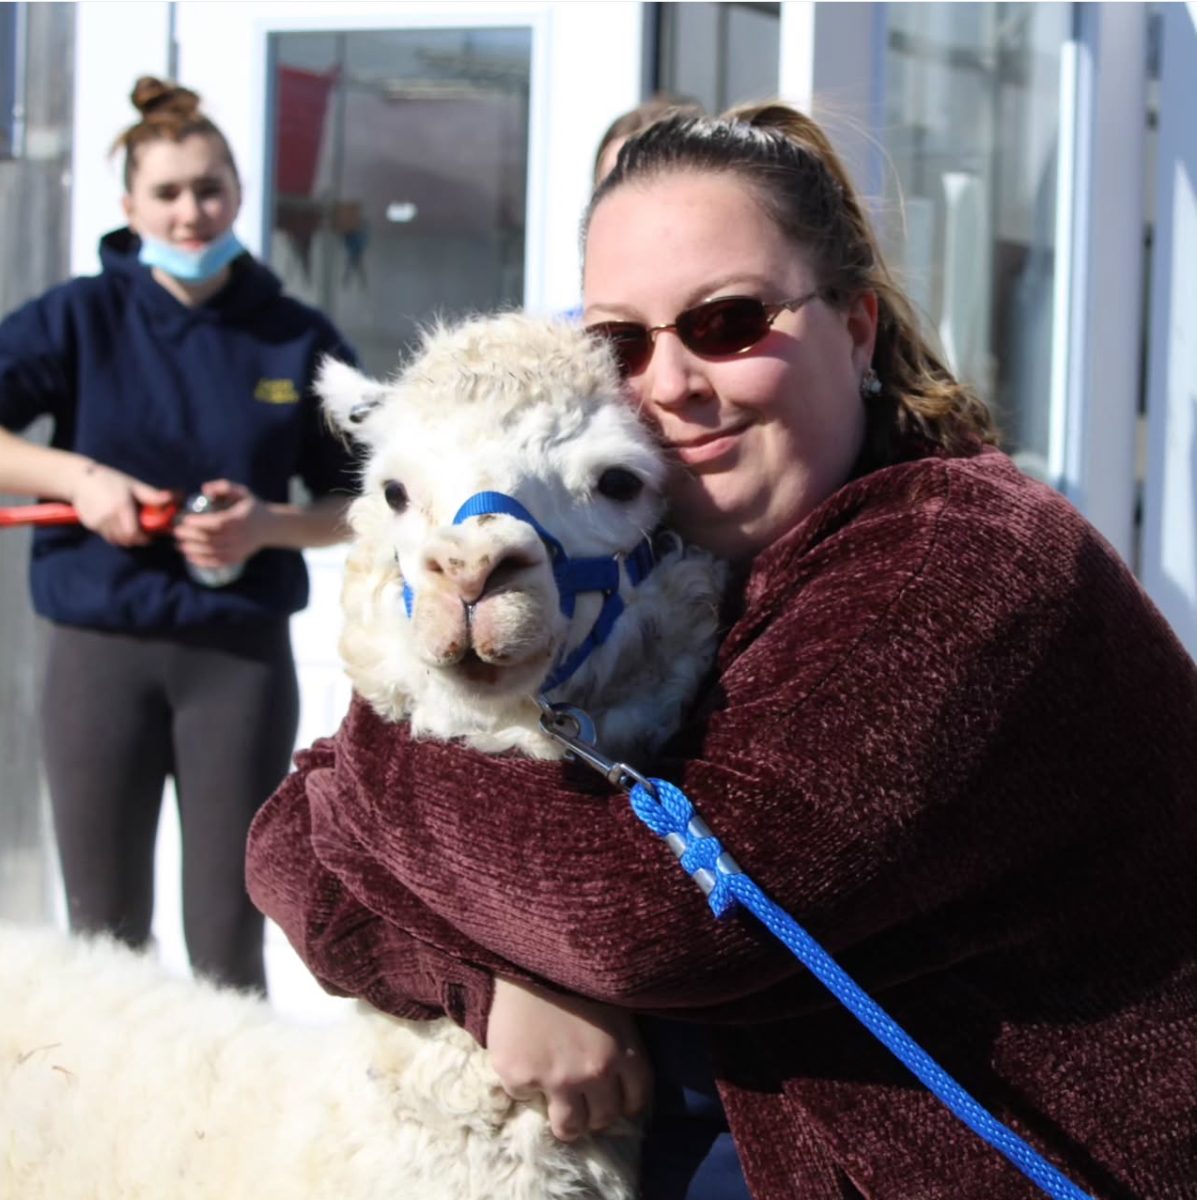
[34, 241]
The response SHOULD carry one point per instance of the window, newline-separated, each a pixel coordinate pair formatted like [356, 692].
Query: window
[972, 130]
[718, 54]
[400, 159]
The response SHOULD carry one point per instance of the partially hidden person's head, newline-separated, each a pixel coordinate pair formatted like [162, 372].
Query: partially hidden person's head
[634, 121]
[732, 266]
[182, 189]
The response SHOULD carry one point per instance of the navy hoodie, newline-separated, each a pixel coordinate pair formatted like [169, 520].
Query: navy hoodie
[173, 396]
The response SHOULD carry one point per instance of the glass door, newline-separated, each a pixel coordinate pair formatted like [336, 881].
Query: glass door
[972, 128]
[399, 166]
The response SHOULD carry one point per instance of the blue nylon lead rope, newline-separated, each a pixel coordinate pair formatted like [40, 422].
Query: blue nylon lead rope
[671, 816]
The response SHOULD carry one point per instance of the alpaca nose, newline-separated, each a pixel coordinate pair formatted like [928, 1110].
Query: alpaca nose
[473, 576]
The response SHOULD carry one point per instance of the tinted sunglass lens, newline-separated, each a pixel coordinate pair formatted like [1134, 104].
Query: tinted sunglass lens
[724, 326]
[629, 342]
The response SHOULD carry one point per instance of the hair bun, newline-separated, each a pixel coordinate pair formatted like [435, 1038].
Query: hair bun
[153, 95]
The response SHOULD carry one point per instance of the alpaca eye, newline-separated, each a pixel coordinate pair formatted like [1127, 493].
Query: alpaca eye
[395, 494]
[618, 483]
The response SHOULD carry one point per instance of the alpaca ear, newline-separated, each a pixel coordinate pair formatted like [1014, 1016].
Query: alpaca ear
[349, 397]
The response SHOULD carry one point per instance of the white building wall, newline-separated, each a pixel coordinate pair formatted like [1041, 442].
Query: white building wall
[115, 42]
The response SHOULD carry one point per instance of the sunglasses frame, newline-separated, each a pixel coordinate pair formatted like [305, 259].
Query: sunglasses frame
[627, 366]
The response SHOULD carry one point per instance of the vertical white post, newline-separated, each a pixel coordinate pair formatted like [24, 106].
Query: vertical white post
[1099, 285]
[832, 66]
[1169, 553]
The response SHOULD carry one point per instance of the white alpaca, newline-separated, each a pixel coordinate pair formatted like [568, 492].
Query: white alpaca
[118, 1081]
[529, 409]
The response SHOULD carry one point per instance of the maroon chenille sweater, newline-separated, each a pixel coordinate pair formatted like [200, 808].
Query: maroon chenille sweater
[952, 736]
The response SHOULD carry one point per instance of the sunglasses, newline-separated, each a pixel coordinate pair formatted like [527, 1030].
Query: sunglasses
[714, 329]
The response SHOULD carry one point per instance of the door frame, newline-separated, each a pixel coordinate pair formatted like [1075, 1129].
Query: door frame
[586, 65]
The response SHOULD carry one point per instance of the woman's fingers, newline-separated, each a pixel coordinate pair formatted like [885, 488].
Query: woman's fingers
[119, 524]
[145, 494]
[569, 1115]
[586, 1059]
[107, 502]
[604, 1106]
[636, 1084]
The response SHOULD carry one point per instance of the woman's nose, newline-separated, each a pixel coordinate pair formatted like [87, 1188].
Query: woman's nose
[669, 378]
[187, 206]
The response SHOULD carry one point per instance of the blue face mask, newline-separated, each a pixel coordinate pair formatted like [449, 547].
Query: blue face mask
[191, 266]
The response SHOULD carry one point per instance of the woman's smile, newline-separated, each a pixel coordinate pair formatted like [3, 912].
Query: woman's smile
[709, 450]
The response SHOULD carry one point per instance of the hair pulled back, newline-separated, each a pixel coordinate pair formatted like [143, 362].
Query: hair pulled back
[801, 183]
[169, 112]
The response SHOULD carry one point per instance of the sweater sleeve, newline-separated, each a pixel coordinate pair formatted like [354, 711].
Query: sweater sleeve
[35, 362]
[327, 464]
[899, 733]
[351, 950]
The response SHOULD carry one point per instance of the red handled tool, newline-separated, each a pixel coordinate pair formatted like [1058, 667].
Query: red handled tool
[154, 518]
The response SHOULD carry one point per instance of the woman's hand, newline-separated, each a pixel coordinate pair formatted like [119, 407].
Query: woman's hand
[108, 503]
[238, 530]
[586, 1059]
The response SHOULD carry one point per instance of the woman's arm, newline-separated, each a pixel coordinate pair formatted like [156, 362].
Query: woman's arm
[587, 1060]
[106, 500]
[247, 524]
[351, 950]
[27, 469]
[890, 714]
[466, 850]
[307, 526]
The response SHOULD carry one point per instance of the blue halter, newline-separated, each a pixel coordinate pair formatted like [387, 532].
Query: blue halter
[572, 575]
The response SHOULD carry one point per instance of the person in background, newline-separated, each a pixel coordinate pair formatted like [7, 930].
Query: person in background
[636, 120]
[946, 730]
[181, 370]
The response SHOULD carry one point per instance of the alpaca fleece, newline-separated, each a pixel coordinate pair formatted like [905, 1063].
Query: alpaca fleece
[120, 1082]
[952, 736]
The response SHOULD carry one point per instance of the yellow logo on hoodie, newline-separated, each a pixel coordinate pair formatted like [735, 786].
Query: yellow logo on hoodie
[276, 391]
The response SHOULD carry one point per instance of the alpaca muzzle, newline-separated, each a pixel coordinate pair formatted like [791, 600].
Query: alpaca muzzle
[572, 576]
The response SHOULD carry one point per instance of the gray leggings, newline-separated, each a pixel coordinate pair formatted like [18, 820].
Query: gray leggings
[119, 714]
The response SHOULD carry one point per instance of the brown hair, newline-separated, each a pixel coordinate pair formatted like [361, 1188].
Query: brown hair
[636, 119]
[168, 112]
[787, 160]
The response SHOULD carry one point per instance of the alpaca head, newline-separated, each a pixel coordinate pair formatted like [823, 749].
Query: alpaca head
[508, 404]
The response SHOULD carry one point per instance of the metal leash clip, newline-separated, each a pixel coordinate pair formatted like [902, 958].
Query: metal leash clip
[572, 727]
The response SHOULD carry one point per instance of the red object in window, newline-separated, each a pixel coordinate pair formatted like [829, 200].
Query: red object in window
[302, 105]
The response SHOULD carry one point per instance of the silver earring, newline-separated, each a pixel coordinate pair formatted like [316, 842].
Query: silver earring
[870, 385]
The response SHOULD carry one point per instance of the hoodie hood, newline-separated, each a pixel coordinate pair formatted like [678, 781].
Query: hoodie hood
[251, 285]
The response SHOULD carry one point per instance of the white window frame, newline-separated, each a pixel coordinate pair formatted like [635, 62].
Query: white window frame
[1099, 267]
[1169, 546]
